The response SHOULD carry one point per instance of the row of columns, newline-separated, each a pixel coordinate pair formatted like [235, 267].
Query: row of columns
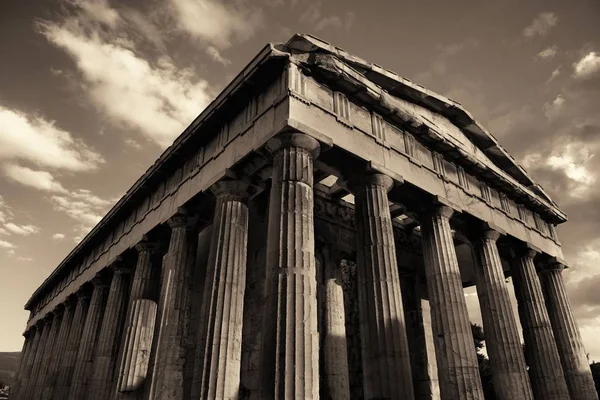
[99, 346]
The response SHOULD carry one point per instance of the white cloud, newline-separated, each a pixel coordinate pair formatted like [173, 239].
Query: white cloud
[24, 258]
[35, 140]
[215, 23]
[571, 160]
[158, 99]
[555, 73]
[552, 108]
[4, 232]
[58, 236]
[133, 143]
[41, 180]
[541, 25]
[7, 245]
[23, 230]
[100, 11]
[216, 55]
[313, 16]
[5, 211]
[547, 53]
[587, 66]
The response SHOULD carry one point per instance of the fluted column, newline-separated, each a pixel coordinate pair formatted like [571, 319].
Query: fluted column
[85, 355]
[49, 347]
[545, 371]
[172, 342]
[292, 368]
[65, 371]
[335, 352]
[423, 367]
[36, 359]
[458, 370]
[572, 354]
[509, 372]
[141, 317]
[223, 295]
[385, 355]
[26, 353]
[58, 351]
[105, 358]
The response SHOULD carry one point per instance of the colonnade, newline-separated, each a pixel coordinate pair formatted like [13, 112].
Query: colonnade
[120, 337]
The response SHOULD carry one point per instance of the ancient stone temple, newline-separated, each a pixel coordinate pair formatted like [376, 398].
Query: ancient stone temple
[309, 236]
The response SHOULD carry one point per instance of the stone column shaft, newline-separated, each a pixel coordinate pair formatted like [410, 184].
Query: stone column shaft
[172, 342]
[65, 371]
[58, 351]
[291, 273]
[137, 336]
[545, 371]
[49, 348]
[423, 366]
[85, 355]
[105, 357]
[223, 296]
[385, 355]
[335, 352]
[22, 372]
[458, 370]
[509, 372]
[572, 354]
[36, 359]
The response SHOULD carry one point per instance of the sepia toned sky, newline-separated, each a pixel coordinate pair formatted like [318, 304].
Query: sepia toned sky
[92, 91]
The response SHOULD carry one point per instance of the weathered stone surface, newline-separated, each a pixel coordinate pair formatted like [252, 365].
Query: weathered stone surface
[29, 382]
[545, 371]
[29, 349]
[385, 354]
[220, 344]
[566, 333]
[65, 371]
[85, 355]
[335, 353]
[54, 363]
[420, 340]
[458, 370]
[140, 323]
[350, 287]
[171, 349]
[291, 368]
[48, 351]
[509, 372]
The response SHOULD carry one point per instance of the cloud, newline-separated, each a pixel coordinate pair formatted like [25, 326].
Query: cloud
[216, 55]
[23, 230]
[158, 99]
[313, 16]
[133, 143]
[216, 23]
[20, 258]
[588, 66]
[547, 53]
[41, 180]
[5, 211]
[7, 245]
[58, 236]
[541, 25]
[554, 74]
[552, 108]
[38, 141]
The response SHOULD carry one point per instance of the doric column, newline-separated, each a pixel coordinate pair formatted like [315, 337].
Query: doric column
[49, 347]
[58, 351]
[509, 372]
[223, 296]
[85, 355]
[105, 357]
[423, 366]
[141, 317]
[36, 359]
[458, 370]
[335, 352]
[545, 371]
[385, 354]
[572, 354]
[172, 342]
[293, 367]
[350, 287]
[65, 371]
[26, 353]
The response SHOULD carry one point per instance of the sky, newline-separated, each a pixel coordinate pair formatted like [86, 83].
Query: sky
[92, 92]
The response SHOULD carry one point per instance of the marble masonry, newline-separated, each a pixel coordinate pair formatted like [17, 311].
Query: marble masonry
[309, 236]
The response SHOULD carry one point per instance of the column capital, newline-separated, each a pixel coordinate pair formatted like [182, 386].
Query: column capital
[82, 294]
[526, 250]
[441, 207]
[59, 309]
[120, 268]
[100, 281]
[357, 183]
[182, 219]
[553, 265]
[294, 139]
[231, 187]
[146, 246]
